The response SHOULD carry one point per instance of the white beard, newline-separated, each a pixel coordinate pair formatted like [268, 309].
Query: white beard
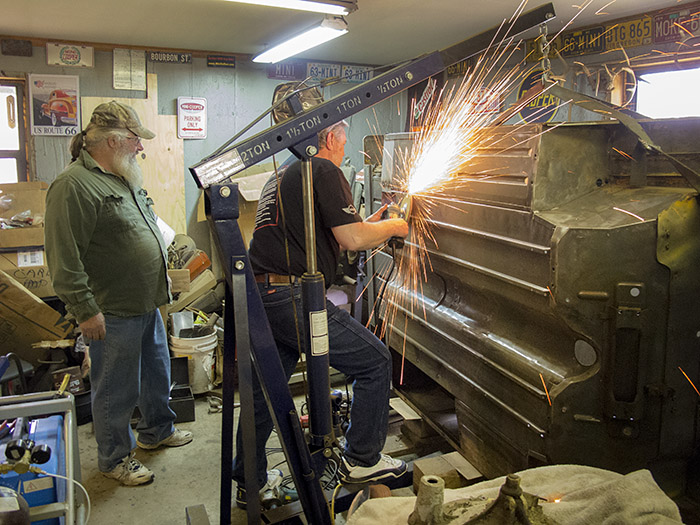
[126, 166]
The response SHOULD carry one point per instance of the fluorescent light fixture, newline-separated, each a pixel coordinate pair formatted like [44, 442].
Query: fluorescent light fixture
[328, 29]
[332, 8]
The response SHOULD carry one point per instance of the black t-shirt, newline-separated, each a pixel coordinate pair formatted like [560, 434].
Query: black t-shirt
[333, 206]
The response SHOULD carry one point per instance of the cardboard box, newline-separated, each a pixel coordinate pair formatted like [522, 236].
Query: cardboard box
[29, 268]
[203, 283]
[452, 468]
[26, 319]
[25, 196]
[180, 280]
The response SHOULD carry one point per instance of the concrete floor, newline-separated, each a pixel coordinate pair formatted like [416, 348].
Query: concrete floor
[184, 476]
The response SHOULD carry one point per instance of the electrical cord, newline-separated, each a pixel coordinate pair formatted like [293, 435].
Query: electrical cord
[335, 493]
[87, 496]
[331, 471]
[376, 308]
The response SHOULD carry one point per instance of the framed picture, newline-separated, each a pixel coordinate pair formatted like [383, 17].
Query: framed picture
[54, 104]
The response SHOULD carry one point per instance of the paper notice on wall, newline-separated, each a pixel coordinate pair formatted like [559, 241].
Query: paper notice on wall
[129, 69]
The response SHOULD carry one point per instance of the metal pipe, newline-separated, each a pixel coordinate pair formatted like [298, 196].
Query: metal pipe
[309, 220]
[68, 435]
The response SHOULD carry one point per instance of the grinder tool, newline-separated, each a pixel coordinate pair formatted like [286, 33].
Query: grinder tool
[400, 210]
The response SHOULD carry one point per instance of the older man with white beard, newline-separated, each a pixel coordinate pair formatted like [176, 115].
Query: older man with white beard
[108, 264]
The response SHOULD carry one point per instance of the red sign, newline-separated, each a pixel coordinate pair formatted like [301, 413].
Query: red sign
[425, 98]
[191, 118]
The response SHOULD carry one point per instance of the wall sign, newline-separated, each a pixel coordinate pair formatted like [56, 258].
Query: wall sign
[676, 26]
[221, 61]
[357, 74]
[425, 98]
[583, 42]
[287, 71]
[168, 57]
[321, 71]
[69, 55]
[461, 68]
[663, 26]
[488, 101]
[15, 47]
[540, 109]
[54, 104]
[191, 118]
[633, 33]
[129, 69]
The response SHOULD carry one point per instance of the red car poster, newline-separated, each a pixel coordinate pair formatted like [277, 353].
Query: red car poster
[55, 104]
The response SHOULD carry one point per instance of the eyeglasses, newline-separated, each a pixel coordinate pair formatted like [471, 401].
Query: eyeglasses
[137, 139]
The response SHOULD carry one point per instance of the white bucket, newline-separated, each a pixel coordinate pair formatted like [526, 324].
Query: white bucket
[200, 359]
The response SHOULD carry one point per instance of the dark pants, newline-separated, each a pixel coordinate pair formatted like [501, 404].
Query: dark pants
[354, 351]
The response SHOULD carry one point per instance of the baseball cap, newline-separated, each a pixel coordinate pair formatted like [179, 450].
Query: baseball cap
[119, 116]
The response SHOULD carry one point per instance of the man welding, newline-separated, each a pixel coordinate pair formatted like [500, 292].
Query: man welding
[278, 258]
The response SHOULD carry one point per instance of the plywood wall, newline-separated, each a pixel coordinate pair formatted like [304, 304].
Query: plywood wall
[164, 165]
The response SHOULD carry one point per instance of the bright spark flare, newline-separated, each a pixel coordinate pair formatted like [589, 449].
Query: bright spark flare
[459, 124]
[545, 389]
[689, 380]
[628, 213]
[626, 155]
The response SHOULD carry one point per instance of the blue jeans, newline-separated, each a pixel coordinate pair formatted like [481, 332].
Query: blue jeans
[131, 365]
[354, 351]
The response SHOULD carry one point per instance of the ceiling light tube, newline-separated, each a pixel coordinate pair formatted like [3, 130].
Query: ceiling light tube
[332, 8]
[328, 29]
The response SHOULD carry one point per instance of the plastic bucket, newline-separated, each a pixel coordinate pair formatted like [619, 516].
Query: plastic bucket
[200, 359]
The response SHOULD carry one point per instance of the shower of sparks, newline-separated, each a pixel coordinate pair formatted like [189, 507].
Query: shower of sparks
[628, 213]
[626, 155]
[689, 381]
[456, 129]
[683, 28]
[545, 389]
[601, 12]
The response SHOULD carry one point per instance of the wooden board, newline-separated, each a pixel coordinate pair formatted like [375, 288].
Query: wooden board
[164, 163]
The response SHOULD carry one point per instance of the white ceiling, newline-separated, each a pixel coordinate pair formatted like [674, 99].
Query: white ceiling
[381, 31]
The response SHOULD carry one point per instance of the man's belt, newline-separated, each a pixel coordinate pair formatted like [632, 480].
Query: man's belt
[274, 278]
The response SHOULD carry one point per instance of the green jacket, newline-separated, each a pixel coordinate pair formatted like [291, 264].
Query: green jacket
[103, 246]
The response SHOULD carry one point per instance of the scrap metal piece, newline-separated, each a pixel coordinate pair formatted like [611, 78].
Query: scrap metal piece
[429, 502]
[513, 506]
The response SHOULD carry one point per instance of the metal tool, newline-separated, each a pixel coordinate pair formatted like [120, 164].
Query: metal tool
[400, 210]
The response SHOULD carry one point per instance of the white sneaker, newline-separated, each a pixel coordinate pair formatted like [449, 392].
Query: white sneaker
[176, 439]
[386, 467]
[130, 471]
[269, 491]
